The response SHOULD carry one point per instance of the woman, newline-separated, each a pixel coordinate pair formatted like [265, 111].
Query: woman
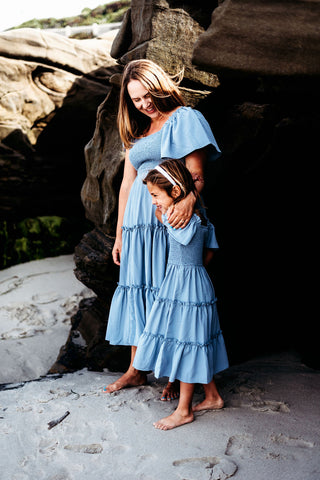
[154, 124]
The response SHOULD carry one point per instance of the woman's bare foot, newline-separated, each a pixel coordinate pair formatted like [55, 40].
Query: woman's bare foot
[132, 378]
[209, 404]
[176, 419]
[171, 391]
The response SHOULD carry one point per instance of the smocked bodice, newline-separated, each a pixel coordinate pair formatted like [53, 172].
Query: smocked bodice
[191, 254]
[186, 245]
[185, 131]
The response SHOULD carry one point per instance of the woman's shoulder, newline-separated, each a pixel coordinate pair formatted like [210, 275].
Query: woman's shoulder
[185, 131]
[185, 113]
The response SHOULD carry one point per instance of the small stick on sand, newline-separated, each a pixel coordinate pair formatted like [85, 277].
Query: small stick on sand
[53, 423]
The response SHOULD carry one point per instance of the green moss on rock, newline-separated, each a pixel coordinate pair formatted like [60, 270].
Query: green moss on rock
[39, 237]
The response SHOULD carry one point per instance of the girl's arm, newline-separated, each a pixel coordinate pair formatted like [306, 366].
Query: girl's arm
[183, 210]
[129, 175]
[207, 256]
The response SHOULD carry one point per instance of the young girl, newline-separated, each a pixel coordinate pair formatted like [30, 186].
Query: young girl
[182, 339]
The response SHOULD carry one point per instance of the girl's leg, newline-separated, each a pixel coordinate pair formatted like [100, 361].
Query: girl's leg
[212, 401]
[132, 377]
[183, 413]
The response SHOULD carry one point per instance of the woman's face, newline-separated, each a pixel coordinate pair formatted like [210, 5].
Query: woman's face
[160, 198]
[141, 99]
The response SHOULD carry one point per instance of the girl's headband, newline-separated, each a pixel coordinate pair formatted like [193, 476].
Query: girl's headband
[165, 174]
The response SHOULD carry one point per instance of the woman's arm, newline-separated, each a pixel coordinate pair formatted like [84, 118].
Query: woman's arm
[179, 214]
[129, 175]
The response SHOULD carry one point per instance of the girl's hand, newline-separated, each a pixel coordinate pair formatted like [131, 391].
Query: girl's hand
[179, 214]
[116, 251]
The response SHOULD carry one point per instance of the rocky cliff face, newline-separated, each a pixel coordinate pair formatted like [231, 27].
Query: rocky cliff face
[50, 88]
[252, 69]
[261, 38]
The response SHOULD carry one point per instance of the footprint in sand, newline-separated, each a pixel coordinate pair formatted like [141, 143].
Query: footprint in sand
[63, 475]
[47, 447]
[282, 439]
[249, 395]
[92, 448]
[213, 468]
[238, 445]
[26, 321]
[271, 406]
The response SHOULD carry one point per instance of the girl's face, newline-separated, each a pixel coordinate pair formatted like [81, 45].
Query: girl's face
[160, 198]
[141, 99]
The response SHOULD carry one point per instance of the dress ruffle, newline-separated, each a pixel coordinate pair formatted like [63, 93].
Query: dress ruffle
[185, 131]
[191, 355]
[211, 240]
[182, 338]
[137, 287]
[130, 302]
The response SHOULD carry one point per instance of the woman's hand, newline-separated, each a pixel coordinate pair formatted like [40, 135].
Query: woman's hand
[116, 251]
[179, 214]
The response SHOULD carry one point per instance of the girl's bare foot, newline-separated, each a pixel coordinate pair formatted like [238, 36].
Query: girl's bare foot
[176, 419]
[171, 391]
[209, 404]
[132, 378]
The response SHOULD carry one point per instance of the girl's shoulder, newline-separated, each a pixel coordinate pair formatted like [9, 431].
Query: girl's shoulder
[186, 234]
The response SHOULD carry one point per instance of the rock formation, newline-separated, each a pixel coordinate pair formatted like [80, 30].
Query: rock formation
[252, 71]
[261, 38]
[50, 88]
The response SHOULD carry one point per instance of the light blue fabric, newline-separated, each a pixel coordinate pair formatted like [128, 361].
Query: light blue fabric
[144, 238]
[182, 136]
[182, 338]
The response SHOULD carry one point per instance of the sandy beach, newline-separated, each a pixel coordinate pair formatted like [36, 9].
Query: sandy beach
[268, 430]
[37, 300]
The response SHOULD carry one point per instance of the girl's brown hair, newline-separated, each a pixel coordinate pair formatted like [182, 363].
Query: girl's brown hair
[164, 92]
[179, 174]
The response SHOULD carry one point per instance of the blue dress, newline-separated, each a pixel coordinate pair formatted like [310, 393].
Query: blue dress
[144, 238]
[182, 338]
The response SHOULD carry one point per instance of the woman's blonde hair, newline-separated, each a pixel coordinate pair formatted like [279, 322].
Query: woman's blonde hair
[179, 174]
[162, 88]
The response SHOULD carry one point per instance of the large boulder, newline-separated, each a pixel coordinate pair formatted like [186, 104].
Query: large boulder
[258, 37]
[165, 32]
[104, 157]
[50, 88]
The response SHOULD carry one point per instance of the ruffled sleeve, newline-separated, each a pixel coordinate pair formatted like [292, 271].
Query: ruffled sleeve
[211, 241]
[186, 234]
[185, 131]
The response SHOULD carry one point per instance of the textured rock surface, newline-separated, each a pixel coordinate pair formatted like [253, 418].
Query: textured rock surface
[258, 37]
[94, 265]
[86, 346]
[165, 31]
[104, 158]
[50, 88]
